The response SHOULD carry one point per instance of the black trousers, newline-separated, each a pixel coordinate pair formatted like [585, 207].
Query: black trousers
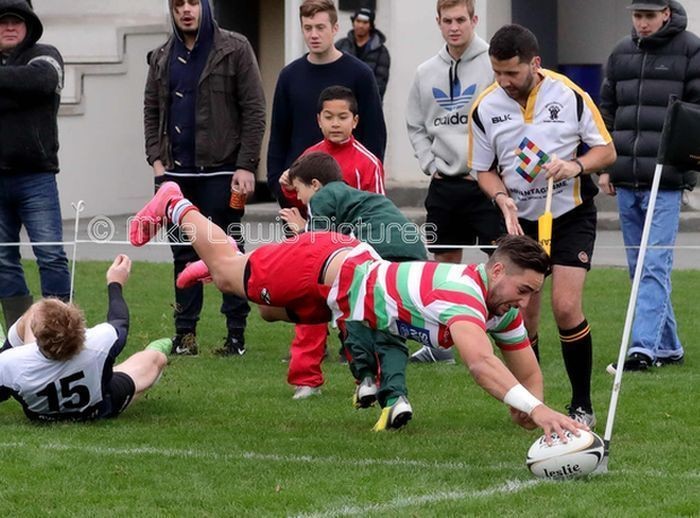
[211, 195]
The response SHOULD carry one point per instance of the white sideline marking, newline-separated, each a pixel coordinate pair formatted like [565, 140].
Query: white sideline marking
[248, 455]
[511, 486]
[308, 459]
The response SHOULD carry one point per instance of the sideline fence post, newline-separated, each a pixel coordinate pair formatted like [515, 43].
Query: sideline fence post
[79, 207]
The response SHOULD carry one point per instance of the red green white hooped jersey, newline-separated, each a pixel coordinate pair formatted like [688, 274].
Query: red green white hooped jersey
[419, 300]
[558, 116]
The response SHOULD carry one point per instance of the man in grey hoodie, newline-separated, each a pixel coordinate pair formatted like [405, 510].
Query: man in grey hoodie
[437, 113]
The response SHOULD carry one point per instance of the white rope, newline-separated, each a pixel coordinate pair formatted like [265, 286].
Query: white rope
[462, 247]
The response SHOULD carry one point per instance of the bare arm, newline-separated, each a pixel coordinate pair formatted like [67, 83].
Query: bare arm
[596, 159]
[492, 375]
[492, 185]
[523, 364]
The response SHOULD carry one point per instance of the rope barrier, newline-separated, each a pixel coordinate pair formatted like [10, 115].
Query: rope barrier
[102, 229]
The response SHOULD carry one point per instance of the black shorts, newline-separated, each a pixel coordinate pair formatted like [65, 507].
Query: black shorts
[121, 392]
[461, 213]
[573, 236]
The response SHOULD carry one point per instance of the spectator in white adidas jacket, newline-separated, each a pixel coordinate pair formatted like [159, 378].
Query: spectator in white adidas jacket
[441, 97]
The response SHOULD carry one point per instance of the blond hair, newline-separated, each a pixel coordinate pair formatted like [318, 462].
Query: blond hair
[59, 329]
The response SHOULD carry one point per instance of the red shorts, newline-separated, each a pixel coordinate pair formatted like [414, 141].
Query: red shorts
[288, 274]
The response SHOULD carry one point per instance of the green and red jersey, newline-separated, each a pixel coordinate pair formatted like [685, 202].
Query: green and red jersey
[419, 300]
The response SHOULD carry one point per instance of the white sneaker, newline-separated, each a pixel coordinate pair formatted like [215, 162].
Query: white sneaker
[394, 416]
[303, 392]
[365, 394]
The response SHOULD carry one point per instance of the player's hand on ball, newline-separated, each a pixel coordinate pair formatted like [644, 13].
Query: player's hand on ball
[521, 419]
[554, 422]
[119, 270]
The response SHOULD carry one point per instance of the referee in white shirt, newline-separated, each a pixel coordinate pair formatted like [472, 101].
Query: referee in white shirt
[534, 123]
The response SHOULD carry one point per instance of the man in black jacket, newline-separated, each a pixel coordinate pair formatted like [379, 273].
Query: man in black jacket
[204, 119]
[31, 77]
[660, 58]
[366, 43]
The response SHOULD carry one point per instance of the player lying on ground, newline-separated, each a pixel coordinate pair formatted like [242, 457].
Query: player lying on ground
[59, 370]
[303, 278]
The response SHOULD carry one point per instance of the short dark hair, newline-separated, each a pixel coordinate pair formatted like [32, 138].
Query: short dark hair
[317, 164]
[337, 93]
[310, 8]
[523, 252]
[514, 41]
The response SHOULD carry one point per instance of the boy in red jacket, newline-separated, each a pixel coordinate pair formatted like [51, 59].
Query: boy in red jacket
[337, 117]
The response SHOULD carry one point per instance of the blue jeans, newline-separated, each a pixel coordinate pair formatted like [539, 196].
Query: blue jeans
[32, 200]
[654, 330]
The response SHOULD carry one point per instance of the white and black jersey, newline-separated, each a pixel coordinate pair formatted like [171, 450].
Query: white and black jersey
[558, 118]
[76, 389]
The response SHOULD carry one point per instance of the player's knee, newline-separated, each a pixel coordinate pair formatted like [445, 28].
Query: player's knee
[567, 312]
[223, 283]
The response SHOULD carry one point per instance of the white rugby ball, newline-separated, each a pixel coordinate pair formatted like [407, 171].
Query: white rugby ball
[577, 457]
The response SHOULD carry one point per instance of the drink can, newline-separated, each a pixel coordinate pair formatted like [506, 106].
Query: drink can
[237, 200]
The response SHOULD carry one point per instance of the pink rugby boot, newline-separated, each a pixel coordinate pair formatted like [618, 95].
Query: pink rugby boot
[153, 215]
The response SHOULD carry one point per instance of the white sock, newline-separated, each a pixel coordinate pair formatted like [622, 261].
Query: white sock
[176, 211]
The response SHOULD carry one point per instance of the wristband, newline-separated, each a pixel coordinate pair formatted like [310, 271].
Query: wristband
[495, 196]
[519, 397]
[581, 169]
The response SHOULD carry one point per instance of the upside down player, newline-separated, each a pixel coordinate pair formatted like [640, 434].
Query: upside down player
[59, 370]
[304, 278]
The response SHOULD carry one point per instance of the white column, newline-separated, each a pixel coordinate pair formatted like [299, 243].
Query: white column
[294, 40]
[493, 14]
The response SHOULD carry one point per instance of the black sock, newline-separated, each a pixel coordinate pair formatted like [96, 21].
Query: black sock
[535, 344]
[577, 350]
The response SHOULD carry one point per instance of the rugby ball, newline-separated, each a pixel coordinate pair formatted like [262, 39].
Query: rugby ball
[577, 457]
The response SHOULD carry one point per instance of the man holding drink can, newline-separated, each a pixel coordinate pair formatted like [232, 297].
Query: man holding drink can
[204, 122]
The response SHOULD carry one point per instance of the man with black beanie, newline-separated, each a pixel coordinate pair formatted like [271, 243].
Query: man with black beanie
[366, 43]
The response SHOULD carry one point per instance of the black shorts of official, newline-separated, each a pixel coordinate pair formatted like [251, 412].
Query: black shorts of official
[460, 214]
[121, 391]
[573, 236]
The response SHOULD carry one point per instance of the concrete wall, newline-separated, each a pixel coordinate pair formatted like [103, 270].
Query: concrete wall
[104, 45]
[102, 151]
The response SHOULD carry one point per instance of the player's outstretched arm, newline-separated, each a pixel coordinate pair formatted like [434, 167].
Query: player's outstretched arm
[494, 377]
[117, 310]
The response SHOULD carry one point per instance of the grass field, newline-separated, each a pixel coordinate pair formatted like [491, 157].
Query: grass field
[222, 437]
